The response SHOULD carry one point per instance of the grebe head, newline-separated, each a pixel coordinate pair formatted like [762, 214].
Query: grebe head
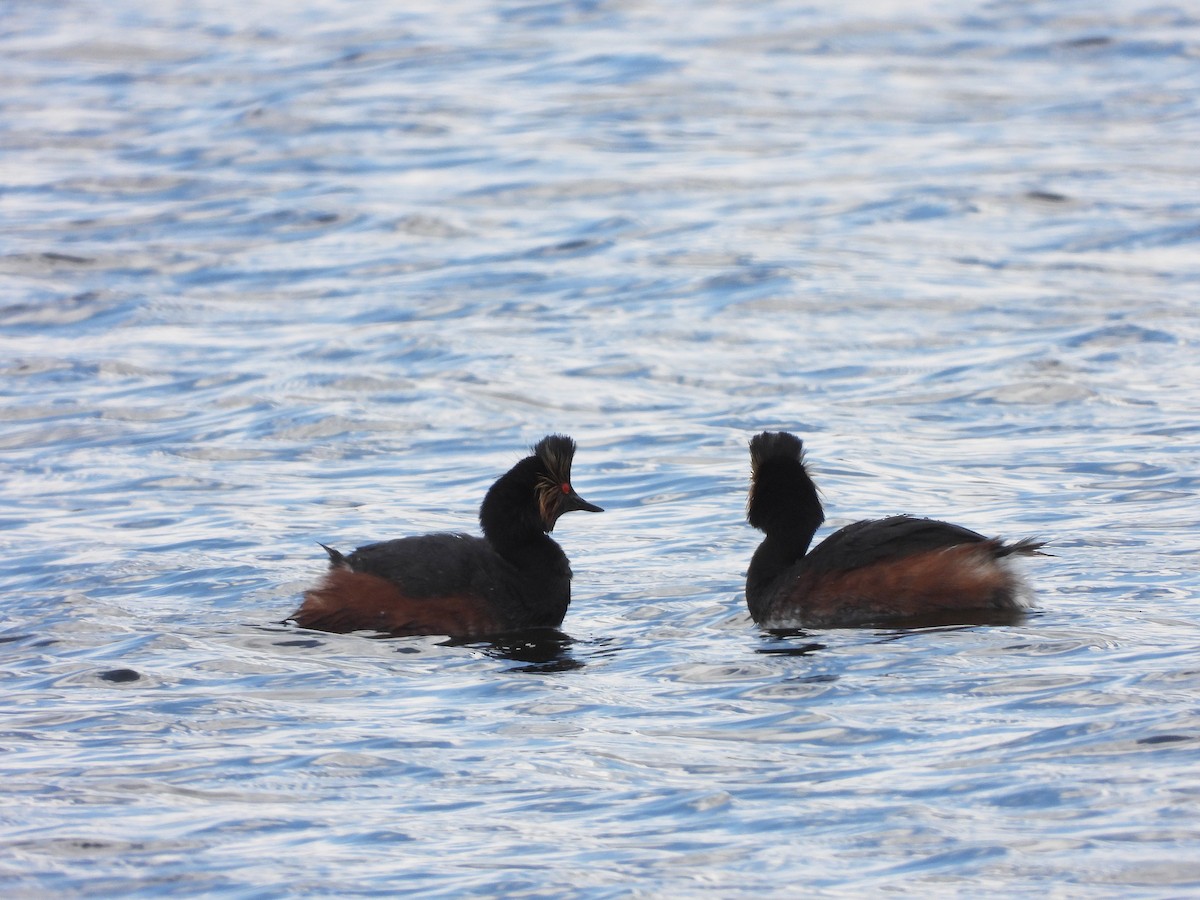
[555, 495]
[529, 497]
[782, 495]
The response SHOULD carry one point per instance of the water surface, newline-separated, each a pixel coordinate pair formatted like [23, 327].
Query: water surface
[272, 276]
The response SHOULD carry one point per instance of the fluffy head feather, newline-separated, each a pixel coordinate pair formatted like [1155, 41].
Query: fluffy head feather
[782, 496]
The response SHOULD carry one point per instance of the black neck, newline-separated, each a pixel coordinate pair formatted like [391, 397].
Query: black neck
[775, 555]
[513, 525]
[543, 591]
[509, 514]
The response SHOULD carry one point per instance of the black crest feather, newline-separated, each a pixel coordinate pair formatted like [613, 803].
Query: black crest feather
[771, 445]
[556, 452]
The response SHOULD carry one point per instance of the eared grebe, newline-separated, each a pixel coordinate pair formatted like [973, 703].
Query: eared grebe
[515, 577]
[879, 571]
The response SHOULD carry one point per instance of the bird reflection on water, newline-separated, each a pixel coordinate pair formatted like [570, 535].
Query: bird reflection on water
[541, 650]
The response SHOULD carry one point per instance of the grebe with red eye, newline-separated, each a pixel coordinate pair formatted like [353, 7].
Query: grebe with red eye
[513, 578]
[898, 570]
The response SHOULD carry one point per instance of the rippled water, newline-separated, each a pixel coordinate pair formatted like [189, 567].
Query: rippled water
[276, 275]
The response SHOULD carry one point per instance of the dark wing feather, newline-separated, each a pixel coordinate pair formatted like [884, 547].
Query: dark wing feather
[435, 565]
[874, 540]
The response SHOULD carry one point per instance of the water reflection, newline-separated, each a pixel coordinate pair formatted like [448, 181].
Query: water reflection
[543, 650]
[952, 619]
[949, 619]
[784, 648]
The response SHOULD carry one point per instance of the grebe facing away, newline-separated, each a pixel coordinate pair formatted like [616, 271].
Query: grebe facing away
[513, 578]
[876, 572]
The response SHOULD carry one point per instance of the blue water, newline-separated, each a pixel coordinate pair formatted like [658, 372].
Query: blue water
[273, 274]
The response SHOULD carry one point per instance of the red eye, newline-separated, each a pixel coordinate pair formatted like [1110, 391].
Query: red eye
[566, 488]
